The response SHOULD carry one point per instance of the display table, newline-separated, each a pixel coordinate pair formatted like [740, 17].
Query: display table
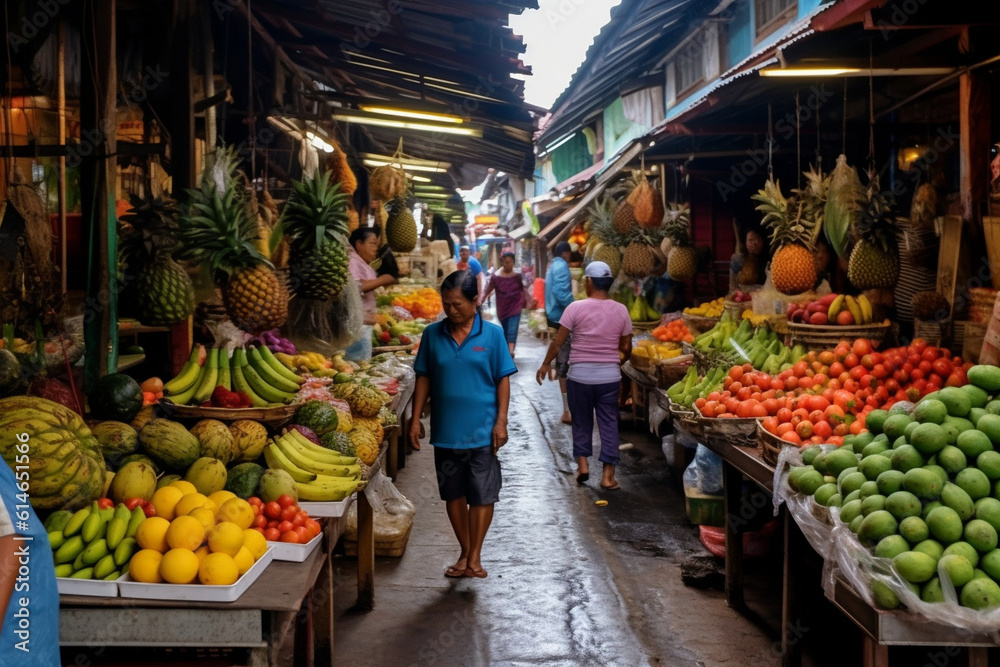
[881, 628]
[639, 385]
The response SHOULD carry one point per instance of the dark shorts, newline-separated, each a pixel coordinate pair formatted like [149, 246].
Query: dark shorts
[510, 325]
[472, 473]
[561, 363]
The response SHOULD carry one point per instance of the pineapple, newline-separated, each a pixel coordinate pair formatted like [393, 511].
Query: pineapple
[639, 260]
[315, 220]
[606, 240]
[647, 207]
[682, 259]
[162, 290]
[623, 216]
[400, 227]
[220, 230]
[874, 262]
[794, 228]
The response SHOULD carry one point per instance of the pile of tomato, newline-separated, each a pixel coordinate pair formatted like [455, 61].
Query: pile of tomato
[282, 520]
[827, 395]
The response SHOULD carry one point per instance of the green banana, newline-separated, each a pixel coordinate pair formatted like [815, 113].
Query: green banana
[123, 554]
[93, 528]
[56, 539]
[85, 573]
[269, 374]
[137, 517]
[280, 368]
[57, 520]
[78, 561]
[116, 532]
[240, 384]
[225, 372]
[209, 378]
[95, 551]
[114, 575]
[188, 375]
[64, 570]
[104, 567]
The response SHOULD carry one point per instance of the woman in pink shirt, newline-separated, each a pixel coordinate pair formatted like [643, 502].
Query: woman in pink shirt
[602, 340]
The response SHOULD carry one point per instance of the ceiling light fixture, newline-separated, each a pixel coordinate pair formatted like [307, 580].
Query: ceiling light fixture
[368, 162]
[419, 115]
[855, 71]
[319, 143]
[361, 118]
[809, 71]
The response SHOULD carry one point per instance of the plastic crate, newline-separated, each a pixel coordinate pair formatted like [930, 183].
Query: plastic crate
[704, 510]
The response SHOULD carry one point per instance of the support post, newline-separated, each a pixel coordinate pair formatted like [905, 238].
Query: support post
[974, 143]
[182, 153]
[98, 120]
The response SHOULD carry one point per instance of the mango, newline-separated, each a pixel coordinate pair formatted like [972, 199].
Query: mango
[906, 458]
[956, 498]
[913, 529]
[981, 535]
[839, 460]
[930, 411]
[884, 596]
[974, 482]
[988, 510]
[876, 526]
[963, 549]
[990, 563]
[872, 503]
[977, 396]
[873, 466]
[852, 482]
[850, 510]
[889, 482]
[891, 546]
[895, 425]
[956, 400]
[824, 493]
[990, 425]
[989, 463]
[922, 483]
[980, 594]
[932, 591]
[928, 438]
[952, 459]
[985, 377]
[945, 525]
[875, 420]
[915, 566]
[930, 547]
[973, 443]
[903, 504]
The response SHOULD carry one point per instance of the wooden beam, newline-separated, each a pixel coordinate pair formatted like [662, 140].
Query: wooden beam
[974, 142]
[182, 152]
[98, 120]
[279, 53]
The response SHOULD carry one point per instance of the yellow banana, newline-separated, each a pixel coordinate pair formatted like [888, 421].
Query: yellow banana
[240, 384]
[326, 492]
[318, 452]
[866, 308]
[277, 460]
[855, 309]
[304, 462]
[835, 307]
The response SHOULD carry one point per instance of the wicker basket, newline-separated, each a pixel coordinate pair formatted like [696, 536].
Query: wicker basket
[383, 548]
[729, 431]
[697, 324]
[667, 375]
[736, 308]
[822, 337]
[770, 445]
[646, 326]
[274, 417]
[686, 419]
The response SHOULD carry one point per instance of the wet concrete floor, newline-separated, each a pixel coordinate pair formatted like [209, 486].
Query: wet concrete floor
[570, 583]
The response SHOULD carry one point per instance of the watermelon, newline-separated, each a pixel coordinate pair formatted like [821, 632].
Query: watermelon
[115, 397]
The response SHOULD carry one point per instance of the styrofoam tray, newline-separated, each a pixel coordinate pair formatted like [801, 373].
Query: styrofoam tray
[195, 592]
[96, 589]
[295, 553]
[332, 510]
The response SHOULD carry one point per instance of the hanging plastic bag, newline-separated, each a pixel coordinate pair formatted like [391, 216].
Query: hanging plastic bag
[704, 475]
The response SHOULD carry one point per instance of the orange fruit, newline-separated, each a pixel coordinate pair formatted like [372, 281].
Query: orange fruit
[237, 511]
[218, 569]
[226, 538]
[179, 566]
[166, 499]
[152, 534]
[185, 532]
[145, 566]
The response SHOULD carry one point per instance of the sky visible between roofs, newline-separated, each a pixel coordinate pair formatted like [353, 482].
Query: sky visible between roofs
[557, 36]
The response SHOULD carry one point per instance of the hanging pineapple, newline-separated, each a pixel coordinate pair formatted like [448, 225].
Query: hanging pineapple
[162, 291]
[647, 206]
[340, 171]
[682, 258]
[793, 238]
[315, 220]
[843, 206]
[605, 241]
[387, 182]
[623, 217]
[400, 226]
[220, 230]
[874, 262]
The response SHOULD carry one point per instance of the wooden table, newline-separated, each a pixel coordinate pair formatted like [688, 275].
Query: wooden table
[640, 385]
[880, 628]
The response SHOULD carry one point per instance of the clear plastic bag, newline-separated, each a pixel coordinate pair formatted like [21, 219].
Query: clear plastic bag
[327, 326]
[704, 475]
[393, 512]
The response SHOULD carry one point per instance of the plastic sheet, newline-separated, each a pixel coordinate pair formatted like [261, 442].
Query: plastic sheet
[844, 557]
[704, 475]
[393, 512]
[327, 326]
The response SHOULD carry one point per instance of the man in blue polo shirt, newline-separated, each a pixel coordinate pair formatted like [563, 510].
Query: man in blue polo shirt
[464, 367]
[558, 295]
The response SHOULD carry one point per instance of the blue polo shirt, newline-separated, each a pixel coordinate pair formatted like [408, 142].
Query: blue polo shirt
[463, 382]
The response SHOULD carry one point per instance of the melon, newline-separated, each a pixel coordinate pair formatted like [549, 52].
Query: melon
[115, 397]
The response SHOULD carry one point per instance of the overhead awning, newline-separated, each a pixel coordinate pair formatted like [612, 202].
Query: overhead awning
[520, 232]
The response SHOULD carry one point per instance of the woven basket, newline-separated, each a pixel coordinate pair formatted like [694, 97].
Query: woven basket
[686, 419]
[729, 431]
[274, 417]
[933, 331]
[735, 309]
[667, 375]
[697, 324]
[383, 548]
[770, 445]
[822, 337]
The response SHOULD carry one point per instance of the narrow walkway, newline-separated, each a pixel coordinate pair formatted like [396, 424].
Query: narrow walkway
[570, 583]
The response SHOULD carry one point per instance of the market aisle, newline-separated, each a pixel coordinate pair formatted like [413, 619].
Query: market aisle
[569, 583]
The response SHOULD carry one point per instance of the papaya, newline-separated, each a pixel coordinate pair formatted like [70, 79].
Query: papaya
[242, 479]
[170, 444]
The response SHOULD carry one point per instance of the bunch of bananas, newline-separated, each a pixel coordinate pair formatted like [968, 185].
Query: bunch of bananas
[94, 543]
[320, 474]
[254, 371]
[755, 319]
[859, 307]
[708, 309]
[304, 361]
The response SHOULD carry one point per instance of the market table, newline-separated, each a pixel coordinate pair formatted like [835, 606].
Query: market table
[640, 385]
[285, 617]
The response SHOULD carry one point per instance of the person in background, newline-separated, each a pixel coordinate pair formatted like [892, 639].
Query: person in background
[511, 298]
[466, 262]
[363, 251]
[558, 295]
[440, 231]
[29, 599]
[464, 367]
[602, 340]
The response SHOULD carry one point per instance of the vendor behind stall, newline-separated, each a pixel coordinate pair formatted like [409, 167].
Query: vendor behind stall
[363, 251]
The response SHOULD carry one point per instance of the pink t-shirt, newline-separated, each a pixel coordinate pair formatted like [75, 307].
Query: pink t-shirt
[597, 326]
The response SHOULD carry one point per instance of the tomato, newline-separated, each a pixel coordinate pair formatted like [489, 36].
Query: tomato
[288, 513]
[784, 415]
[835, 414]
[861, 347]
[842, 350]
[943, 367]
[734, 387]
[272, 534]
[784, 428]
[260, 521]
[820, 380]
[285, 526]
[105, 503]
[303, 534]
[851, 361]
[792, 382]
[793, 437]
[255, 501]
[286, 500]
[272, 510]
[929, 354]
[957, 379]
[856, 427]
[800, 368]
[912, 394]
[770, 424]
[291, 537]
[735, 373]
[918, 345]
[841, 429]
[858, 372]
[132, 503]
[744, 394]
[804, 429]
[891, 385]
[298, 520]
[916, 374]
[312, 525]
[149, 509]
[935, 380]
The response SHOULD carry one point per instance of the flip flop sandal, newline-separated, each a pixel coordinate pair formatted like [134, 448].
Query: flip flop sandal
[582, 478]
[475, 574]
[454, 572]
[615, 487]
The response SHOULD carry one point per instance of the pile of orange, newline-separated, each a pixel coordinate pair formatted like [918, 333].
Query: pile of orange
[424, 302]
[674, 331]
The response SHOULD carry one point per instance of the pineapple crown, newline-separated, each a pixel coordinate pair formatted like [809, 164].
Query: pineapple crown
[677, 224]
[149, 227]
[315, 213]
[601, 214]
[877, 223]
[220, 226]
[796, 219]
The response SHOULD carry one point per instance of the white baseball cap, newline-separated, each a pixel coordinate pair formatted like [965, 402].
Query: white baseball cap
[598, 269]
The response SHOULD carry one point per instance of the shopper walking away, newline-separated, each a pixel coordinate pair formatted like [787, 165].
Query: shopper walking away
[363, 251]
[464, 367]
[466, 262]
[558, 295]
[29, 600]
[511, 298]
[602, 340]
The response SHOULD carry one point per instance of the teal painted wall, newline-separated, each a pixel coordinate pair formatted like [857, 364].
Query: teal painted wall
[740, 33]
